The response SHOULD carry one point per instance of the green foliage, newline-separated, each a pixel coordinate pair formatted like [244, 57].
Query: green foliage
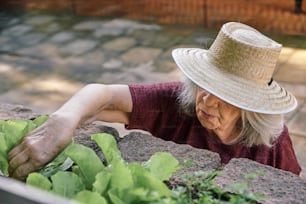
[118, 182]
[39, 181]
[11, 133]
[88, 162]
[199, 189]
[90, 197]
[66, 184]
[156, 165]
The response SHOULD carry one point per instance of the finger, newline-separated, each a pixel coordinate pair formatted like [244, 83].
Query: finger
[16, 150]
[23, 170]
[18, 160]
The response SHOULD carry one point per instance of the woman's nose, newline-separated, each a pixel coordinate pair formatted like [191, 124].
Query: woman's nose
[211, 100]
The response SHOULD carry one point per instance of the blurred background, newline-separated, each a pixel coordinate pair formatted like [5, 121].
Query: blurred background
[51, 48]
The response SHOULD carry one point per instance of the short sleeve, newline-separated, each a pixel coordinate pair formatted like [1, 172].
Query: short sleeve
[153, 105]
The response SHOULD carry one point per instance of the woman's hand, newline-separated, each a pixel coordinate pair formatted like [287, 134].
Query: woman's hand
[40, 146]
[109, 103]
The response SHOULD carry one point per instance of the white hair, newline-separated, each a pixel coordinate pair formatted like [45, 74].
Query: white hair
[256, 128]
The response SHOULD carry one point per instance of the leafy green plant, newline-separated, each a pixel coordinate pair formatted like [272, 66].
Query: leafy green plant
[117, 182]
[198, 188]
[78, 173]
[11, 132]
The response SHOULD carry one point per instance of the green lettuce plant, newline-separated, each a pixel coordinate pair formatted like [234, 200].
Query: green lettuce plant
[78, 173]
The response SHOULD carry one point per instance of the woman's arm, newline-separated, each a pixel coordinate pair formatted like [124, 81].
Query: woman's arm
[110, 103]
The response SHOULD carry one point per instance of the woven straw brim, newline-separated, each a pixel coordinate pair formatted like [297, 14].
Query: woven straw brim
[240, 92]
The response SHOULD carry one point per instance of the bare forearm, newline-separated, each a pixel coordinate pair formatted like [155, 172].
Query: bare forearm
[85, 104]
[110, 103]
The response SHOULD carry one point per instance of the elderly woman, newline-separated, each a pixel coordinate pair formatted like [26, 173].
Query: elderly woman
[228, 103]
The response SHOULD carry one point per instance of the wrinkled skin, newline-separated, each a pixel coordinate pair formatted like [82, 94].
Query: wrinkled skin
[40, 147]
[93, 102]
[218, 116]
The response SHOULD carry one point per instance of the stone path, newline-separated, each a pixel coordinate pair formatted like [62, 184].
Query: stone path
[45, 58]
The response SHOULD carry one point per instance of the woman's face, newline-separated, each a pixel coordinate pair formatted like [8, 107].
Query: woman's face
[217, 115]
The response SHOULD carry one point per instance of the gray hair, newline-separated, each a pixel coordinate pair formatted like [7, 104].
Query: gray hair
[256, 128]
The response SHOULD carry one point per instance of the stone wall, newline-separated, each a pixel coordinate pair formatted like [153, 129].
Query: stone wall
[273, 15]
[278, 186]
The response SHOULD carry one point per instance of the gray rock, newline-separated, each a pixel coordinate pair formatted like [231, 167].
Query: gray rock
[8, 111]
[139, 147]
[119, 44]
[276, 185]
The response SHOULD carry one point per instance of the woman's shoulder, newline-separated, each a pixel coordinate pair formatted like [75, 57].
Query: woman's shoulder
[160, 90]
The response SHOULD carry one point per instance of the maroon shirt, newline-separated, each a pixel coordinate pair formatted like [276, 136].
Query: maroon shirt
[156, 110]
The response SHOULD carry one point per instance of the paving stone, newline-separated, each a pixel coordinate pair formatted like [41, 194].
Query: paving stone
[100, 32]
[78, 47]
[39, 20]
[62, 37]
[119, 77]
[140, 55]
[161, 40]
[88, 25]
[31, 38]
[96, 57]
[53, 27]
[80, 71]
[17, 30]
[42, 50]
[165, 66]
[112, 64]
[119, 44]
[128, 24]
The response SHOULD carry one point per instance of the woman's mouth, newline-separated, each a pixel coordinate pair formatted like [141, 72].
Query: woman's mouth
[205, 115]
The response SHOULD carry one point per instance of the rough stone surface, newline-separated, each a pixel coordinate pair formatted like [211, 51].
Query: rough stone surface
[8, 112]
[278, 186]
[140, 147]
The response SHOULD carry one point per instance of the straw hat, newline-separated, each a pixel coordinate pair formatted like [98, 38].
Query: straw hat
[238, 68]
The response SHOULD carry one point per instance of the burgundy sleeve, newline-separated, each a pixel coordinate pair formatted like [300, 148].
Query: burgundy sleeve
[153, 104]
[284, 156]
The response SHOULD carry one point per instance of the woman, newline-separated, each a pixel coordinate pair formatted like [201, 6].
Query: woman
[228, 104]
